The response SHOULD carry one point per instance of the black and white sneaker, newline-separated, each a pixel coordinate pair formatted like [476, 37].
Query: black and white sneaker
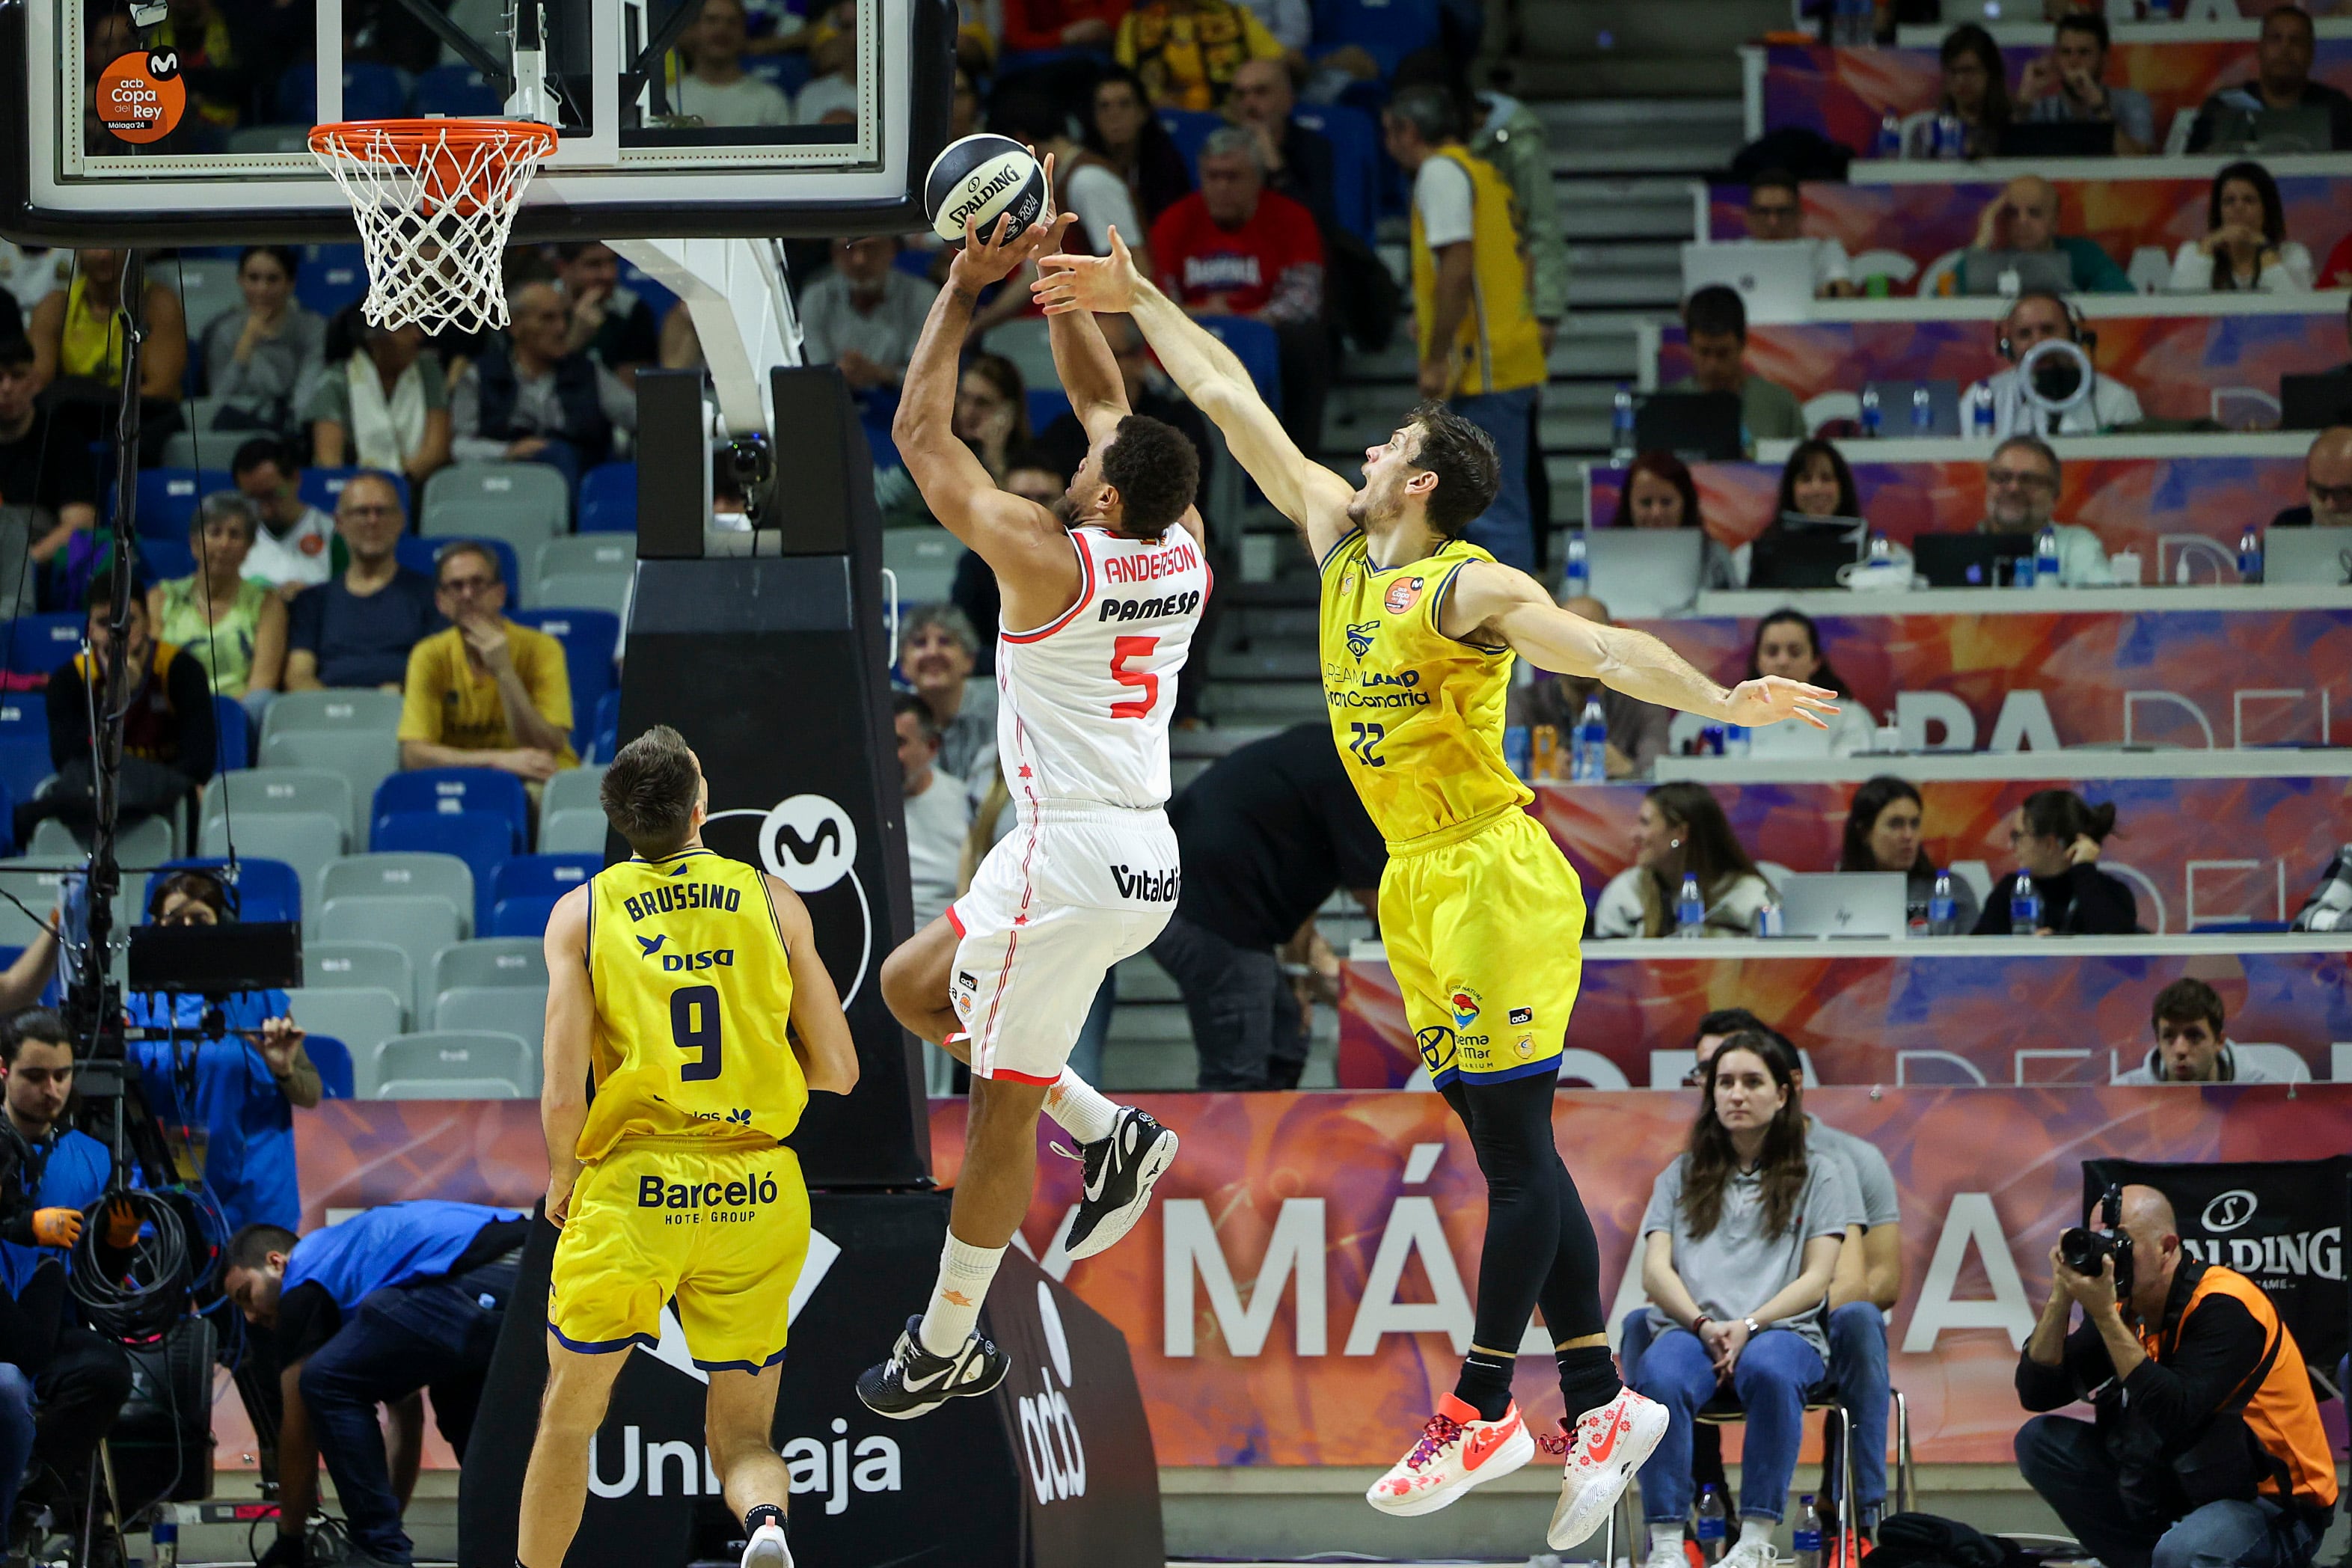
[914, 1380]
[1120, 1172]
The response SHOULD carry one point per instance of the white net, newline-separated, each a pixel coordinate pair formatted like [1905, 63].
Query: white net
[435, 200]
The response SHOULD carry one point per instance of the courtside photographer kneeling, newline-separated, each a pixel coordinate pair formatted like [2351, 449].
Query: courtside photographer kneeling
[2207, 1449]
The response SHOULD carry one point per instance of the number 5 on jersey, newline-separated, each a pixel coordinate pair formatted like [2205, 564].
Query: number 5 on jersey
[1123, 650]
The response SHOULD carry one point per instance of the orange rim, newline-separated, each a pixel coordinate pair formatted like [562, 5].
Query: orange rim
[352, 138]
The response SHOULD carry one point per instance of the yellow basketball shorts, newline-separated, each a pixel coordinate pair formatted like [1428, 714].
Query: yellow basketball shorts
[724, 1231]
[1484, 936]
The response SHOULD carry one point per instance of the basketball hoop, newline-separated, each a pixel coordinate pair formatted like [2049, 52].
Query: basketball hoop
[435, 200]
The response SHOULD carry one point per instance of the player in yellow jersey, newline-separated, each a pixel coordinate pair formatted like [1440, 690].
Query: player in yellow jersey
[671, 977]
[1480, 911]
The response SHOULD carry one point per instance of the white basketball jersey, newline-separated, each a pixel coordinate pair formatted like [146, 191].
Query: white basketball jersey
[1083, 701]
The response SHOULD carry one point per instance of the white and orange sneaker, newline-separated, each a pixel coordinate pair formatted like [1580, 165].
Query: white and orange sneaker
[1603, 1450]
[1456, 1451]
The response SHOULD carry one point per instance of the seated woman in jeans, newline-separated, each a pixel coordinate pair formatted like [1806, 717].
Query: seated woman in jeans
[1740, 1240]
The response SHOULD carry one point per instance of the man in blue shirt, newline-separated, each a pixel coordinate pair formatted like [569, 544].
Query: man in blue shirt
[236, 1093]
[367, 1312]
[357, 629]
[80, 1380]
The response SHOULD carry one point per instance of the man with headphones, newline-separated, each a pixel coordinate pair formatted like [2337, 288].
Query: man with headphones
[2038, 316]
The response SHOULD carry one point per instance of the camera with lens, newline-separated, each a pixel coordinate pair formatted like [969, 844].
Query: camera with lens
[2084, 1248]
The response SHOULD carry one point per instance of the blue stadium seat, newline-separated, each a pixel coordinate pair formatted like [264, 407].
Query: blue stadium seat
[167, 498]
[331, 275]
[481, 838]
[265, 890]
[525, 916]
[1046, 404]
[1388, 30]
[1255, 345]
[1356, 154]
[606, 738]
[457, 90]
[608, 499]
[447, 791]
[369, 92]
[333, 1060]
[24, 763]
[322, 487]
[420, 555]
[589, 638]
[161, 559]
[541, 876]
[38, 644]
[233, 728]
[1190, 127]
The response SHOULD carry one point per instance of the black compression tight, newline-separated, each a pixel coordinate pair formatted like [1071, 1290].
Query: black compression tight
[1540, 1247]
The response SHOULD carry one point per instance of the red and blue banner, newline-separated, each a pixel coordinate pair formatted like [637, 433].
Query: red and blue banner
[1844, 93]
[2283, 834]
[2177, 365]
[2033, 1013]
[2130, 502]
[2197, 678]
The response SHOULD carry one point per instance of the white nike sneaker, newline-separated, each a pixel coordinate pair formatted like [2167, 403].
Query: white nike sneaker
[1750, 1554]
[1456, 1452]
[766, 1549]
[1608, 1445]
[1668, 1552]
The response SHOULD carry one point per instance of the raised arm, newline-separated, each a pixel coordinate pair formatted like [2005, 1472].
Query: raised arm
[1089, 371]
[1491, 605]
[1021, 541]
[1302, 489]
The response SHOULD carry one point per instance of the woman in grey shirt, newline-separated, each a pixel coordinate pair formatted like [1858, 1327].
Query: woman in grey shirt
[1739, 1243]
[261, 359]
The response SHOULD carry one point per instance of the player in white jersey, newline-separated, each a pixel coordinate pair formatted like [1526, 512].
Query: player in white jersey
[1101, 599]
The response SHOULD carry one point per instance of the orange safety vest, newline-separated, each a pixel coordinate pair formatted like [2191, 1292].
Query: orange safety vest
[2282, 1413]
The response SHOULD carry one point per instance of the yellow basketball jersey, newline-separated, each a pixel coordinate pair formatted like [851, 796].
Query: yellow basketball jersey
[693, 990]
[1417, 716]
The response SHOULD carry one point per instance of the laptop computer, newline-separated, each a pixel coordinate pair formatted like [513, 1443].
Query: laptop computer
[2317, 557]
[1894, 407]
[1774, 278]
[1805, 552]
[1696, 427]
[1642, 573]
[2305, 127]
[1968, 560]
[1981, 270]
[2315, 401]
[1845, 904]
[2058, 139]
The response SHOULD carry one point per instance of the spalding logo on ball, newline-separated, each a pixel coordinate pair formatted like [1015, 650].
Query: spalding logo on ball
[981, 179]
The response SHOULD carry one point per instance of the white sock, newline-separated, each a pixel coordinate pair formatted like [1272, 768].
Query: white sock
[1756, 1531]
[964, 1273]
[1080, 1109]
[1662, 1536]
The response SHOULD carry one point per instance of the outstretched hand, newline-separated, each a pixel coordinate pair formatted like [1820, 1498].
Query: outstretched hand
[1103, 284]
[992, 259]
[1772, 697]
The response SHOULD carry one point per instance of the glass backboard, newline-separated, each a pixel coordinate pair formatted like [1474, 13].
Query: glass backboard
[185, 123]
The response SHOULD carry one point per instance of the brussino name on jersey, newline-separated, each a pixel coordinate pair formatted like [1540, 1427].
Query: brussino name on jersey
[670, 896]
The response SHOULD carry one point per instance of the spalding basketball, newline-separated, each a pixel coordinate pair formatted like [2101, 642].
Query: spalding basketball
[983, 178]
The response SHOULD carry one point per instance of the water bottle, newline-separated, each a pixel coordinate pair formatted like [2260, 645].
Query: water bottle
[2024, 906]
[1923, 412]
[1710, 741]
[1714, 1521]
[1882, 548]
[1869, 416]
[1690, 910]
[1943, 910]
[1589, 761]
[2045, 556]
[1770, 922]
[1544, 759]
[1808, 1534]
[1951, 138]
[1577, 581]
[1857, 16]
[2250, 555]
[1890, 136]
[1518, 750]
[1738, 740]
[165, 1534]
[1980, 412]
[1621, 428]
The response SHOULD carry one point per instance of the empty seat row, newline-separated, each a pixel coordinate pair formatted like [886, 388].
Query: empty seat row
[333, 793]
[392, 1063]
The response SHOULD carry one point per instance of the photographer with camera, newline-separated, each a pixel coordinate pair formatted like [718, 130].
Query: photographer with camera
[2207, 1449]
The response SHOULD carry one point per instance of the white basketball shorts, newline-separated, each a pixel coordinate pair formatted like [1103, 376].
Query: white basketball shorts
[1070, 892]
